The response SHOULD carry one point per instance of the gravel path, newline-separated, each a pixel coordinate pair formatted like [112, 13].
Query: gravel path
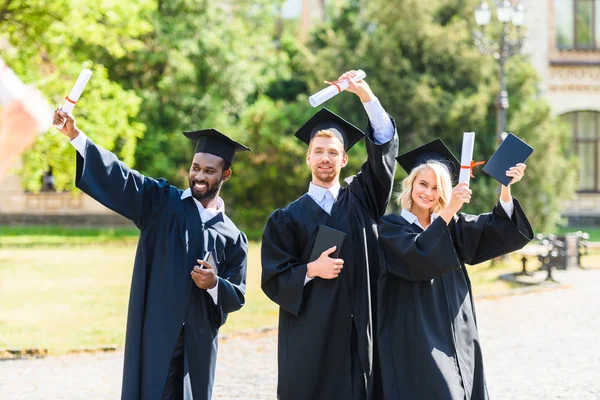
[541, 345]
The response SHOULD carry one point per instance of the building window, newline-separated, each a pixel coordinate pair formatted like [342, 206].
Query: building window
[585, 128]
[577, 24]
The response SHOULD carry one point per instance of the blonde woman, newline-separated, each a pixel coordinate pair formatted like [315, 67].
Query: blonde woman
[427, 332]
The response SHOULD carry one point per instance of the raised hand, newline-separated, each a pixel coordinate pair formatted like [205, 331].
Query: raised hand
[517, 173]
[69, 129]
[360, 88]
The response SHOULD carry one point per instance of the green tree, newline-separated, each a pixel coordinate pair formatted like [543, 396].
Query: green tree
[199, 67]
[49, 42]
[422, 64]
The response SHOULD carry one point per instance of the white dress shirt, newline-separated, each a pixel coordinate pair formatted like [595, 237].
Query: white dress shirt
[383, 129]
[324, 197]
[412, 218]
[206, 214]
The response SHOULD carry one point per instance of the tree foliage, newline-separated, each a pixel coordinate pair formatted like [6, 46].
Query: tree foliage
[164, 67]
[49, 43]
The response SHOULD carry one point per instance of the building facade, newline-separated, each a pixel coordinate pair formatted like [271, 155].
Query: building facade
[563, 41]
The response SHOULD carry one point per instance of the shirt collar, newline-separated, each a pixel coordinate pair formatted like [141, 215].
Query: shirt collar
[318, 192]
[412, 218]
[220, 203]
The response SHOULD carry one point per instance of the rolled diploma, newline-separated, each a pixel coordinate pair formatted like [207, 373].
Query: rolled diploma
[466, 157]
[72, 98]
[330, 91]
[11, 88]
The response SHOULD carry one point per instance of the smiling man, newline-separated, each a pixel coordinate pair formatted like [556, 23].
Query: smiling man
[177, 301]
[326, 314]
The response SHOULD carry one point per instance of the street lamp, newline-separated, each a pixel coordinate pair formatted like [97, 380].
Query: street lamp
[502, 48]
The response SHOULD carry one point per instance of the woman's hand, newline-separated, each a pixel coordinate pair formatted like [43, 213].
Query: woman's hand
[461, 194]
[517, 173]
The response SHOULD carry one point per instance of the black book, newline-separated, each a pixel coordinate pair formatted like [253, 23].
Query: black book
[326, 238]
[510, 152]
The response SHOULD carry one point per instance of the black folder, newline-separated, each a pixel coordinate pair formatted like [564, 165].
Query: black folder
[511, 152]
[326, 238]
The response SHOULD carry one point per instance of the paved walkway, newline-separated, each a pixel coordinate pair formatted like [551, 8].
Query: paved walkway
[543, 345]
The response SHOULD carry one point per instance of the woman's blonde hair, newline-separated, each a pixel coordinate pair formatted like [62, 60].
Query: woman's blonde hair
[443, 181]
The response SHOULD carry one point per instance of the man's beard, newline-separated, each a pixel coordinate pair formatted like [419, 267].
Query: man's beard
[209, 194]
[326, 177]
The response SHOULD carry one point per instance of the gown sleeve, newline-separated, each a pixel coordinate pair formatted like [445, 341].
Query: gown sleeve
[283, 272]
[482, 237]
[232, 279]
[112, 183]
[373, 184]
[417, 256]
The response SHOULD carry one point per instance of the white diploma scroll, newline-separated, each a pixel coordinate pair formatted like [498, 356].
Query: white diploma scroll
[466, 157]
[336, 87]
[11, 88]
[75, 93]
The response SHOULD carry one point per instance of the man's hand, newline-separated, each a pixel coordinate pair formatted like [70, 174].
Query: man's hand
[204, 278]
[324, 266]
[69, 129]
[360, 88]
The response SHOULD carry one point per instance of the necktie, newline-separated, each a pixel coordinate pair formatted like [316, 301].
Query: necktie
[328, 201]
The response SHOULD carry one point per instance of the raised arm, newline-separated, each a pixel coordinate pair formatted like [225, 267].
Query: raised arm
[417, 256]
[483, 237]
[103, 177]
[373, 184]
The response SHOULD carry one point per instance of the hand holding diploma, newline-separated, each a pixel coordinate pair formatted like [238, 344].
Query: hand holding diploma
[351, 81]
[75, 93]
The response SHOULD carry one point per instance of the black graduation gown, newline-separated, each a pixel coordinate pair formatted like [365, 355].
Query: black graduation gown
[427, 333]
[163, 295]
[315, 321]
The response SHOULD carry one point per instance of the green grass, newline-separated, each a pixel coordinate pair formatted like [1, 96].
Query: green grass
[64, 289]
[69, 298]
[594, 231]
[54, 236]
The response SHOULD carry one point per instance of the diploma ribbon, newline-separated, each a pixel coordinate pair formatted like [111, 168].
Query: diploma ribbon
[69, 100]
[336, 84]
[473, 165]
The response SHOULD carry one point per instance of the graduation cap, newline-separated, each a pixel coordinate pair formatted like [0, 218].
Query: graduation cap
[347, 133]
[511, 152]
[214, 142]
[434, 150]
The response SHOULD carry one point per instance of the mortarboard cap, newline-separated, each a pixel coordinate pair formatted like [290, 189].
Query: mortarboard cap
[347, 133]
[434, 150]
[510, 152]
[214, 142]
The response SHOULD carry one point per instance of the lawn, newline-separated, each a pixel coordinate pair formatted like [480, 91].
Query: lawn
[69, 290]
[64, 298]
[593, 231]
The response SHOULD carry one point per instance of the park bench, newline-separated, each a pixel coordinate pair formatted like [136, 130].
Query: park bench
[556, 251]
